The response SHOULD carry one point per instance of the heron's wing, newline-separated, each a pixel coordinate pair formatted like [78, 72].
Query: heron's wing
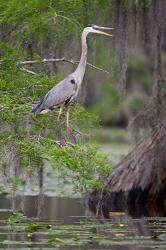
[58, 95]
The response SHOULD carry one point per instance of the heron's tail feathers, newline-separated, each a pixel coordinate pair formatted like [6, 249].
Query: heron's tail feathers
[37, 108]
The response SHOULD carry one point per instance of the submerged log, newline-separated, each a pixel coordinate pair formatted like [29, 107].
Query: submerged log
[141, 176]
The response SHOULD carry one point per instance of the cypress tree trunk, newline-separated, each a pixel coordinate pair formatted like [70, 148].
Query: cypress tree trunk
[141, 176]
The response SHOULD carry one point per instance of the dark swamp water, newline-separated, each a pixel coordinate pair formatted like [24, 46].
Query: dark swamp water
[66, 223]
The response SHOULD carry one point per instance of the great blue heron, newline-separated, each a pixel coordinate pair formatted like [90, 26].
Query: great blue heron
[63, 93]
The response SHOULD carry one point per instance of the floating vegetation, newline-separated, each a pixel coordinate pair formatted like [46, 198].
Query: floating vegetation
[121, 230]
[16, 217]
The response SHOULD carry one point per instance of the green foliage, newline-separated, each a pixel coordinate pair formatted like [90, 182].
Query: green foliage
[88, 167]
[27, 133]
[43, 20]
[31, 30]
[3, 191]
[16, 217]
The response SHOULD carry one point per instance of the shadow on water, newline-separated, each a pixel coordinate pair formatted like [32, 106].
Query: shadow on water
[67, 223]
[103, 206]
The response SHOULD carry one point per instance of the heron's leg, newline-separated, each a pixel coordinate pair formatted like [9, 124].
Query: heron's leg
[69, 129]
[58, 127]
[67, 117]
[59, 114]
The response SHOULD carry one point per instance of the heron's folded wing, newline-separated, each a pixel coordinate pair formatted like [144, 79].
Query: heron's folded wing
[59, 94]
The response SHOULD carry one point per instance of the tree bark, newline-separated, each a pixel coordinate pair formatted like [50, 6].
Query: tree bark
[141, 176]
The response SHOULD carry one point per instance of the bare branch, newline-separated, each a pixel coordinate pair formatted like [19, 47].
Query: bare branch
[56, 60]
[29, 71]
[45, 61]
[95, 67]
[61, 143]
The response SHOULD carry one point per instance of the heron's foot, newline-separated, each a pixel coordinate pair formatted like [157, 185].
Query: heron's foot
[69, 130]
[71, 135]
[64, 143]
[58, 130]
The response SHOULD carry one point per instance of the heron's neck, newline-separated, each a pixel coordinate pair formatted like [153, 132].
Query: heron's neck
[80, 70]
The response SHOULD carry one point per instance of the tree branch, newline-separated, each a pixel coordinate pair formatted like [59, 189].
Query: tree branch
[56, 60]
[61, 143]
[29, 71]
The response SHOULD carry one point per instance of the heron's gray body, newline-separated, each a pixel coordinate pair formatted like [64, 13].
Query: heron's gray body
[60, 95]
[67, 90]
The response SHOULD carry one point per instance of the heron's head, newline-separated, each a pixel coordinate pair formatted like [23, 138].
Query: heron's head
[97, 29]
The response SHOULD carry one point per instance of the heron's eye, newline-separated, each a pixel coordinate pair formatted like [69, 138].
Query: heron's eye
[90, 25]
[95, 27]
[72, 81]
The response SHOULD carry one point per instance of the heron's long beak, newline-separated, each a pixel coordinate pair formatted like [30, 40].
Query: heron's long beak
[101, 32]
[104, 28]
[97, 30]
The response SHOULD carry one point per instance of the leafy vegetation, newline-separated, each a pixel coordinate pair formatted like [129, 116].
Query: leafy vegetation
[32, 31]
[89, 167]
[16, 217]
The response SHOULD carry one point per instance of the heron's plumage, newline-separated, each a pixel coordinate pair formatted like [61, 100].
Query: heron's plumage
[65, 91]
[59, 95]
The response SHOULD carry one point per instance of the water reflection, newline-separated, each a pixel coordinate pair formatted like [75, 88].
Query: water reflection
[102, 205]
[44, 207]
[69, 224]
